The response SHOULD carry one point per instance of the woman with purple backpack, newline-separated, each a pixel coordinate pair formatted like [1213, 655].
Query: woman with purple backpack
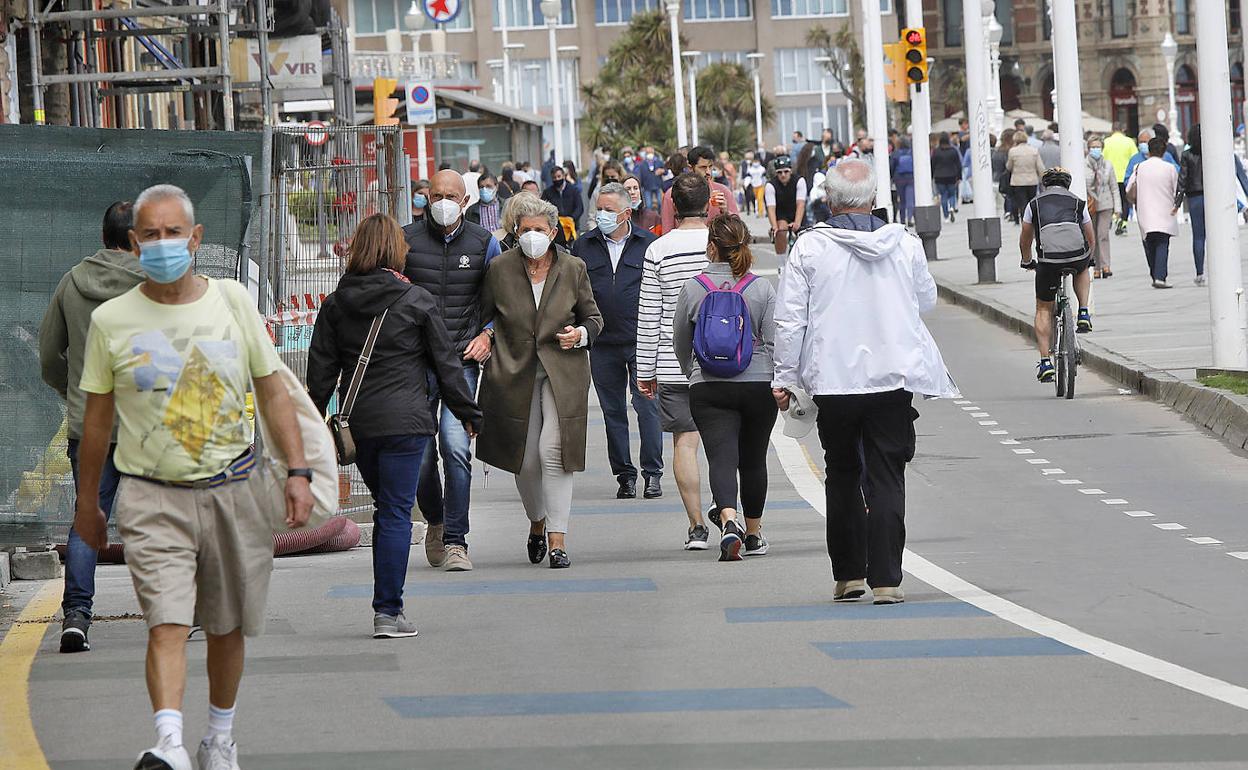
[724, 334]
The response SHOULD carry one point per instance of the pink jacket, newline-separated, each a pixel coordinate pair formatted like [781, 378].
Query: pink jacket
[1154, 183]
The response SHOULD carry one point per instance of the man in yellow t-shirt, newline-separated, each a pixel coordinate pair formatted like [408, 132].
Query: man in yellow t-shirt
[1118, 150]
[175, 356]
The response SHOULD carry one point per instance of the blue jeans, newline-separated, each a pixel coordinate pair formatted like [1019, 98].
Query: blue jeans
[390, 466]
[652, 198]
[614, 369]
[80, 558]
[905, 201]
[447, 503]
[1196, 207]
[1157, 252]
[948, 196]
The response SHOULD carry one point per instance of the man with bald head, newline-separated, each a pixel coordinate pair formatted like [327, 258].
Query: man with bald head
[448, 256]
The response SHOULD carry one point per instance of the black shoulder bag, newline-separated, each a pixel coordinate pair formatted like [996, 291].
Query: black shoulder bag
[340, 424]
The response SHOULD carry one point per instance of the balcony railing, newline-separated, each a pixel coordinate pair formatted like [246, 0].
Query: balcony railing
[406, 66]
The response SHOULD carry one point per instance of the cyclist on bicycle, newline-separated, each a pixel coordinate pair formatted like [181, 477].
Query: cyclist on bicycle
[1061, 220]
[785, 196]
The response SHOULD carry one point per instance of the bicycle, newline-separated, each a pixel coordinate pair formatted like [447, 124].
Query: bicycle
[1064, 347]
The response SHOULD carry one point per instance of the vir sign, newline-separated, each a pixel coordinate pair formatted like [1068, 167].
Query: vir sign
[420, 105]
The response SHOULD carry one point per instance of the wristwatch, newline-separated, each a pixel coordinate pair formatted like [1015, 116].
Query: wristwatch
[489, 332]
[300, 472]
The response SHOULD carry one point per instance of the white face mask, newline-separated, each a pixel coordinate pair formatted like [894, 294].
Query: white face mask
[534, 244]
[445, 212]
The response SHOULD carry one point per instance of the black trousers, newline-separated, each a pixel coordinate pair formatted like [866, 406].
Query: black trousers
[735, 420]
[867, 440]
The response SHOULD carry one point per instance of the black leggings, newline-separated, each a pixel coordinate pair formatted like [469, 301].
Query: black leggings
[735, 420]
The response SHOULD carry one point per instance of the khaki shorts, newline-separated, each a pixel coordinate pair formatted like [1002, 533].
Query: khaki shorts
[196, 556]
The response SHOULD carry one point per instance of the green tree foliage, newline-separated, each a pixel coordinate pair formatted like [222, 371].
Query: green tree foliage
[842, 47]
[726, 108]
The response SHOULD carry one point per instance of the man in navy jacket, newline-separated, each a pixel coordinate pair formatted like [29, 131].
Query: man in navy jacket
[614, 252]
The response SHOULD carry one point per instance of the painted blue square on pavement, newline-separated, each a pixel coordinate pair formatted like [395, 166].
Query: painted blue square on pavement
[505, 588]
[831, 611]
[613, 702]
[894, 649]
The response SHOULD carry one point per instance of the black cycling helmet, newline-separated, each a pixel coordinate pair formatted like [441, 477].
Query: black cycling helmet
[1056, 177]
[783, 162]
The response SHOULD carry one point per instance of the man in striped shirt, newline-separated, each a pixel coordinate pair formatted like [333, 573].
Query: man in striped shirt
[670, 262]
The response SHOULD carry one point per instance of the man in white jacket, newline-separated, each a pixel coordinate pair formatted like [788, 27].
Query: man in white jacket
[848, 332]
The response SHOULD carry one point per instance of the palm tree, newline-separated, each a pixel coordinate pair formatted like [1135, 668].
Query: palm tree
[726, 97]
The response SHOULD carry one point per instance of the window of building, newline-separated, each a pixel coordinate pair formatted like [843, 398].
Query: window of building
[886, 6]
[1234, 24]
[801, 8]
[522, 14]
[374, 17]
[1182, 18]
[716, 10]
[1047, 20]
[797, 72]
[539, 79]
[621, 11]
[1005, 17]
[717, 57]
[809, 120]
[951, 14]
[1120, 19]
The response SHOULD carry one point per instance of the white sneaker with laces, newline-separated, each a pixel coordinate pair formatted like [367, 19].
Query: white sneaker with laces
[164, 756]
[217, 753]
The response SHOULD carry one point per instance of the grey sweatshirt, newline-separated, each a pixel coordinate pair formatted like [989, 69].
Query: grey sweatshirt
[63, 335]
[760, 298]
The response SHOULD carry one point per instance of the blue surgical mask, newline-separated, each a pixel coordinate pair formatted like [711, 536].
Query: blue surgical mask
[607, 222]
[636, 204]
[1143, 148]
[1095, 152]
[419, 201]
[165, 261]
[487, 194]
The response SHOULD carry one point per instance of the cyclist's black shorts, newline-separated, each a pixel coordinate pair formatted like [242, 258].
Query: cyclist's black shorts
[1049, 276]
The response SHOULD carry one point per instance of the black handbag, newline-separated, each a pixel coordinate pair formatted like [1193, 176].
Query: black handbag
[340, 424]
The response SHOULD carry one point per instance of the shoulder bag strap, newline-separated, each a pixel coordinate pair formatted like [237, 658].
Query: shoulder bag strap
[353, 389]
[707, 283]
[744, 283]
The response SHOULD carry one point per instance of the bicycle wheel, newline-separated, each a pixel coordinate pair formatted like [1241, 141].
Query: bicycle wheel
[1058, 351]
[1070, 354]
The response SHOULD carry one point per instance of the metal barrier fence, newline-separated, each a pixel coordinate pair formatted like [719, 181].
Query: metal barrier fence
[322, 183]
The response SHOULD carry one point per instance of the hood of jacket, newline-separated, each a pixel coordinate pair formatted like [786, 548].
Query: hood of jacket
[106, 274]
[870, 246]
[370, 293]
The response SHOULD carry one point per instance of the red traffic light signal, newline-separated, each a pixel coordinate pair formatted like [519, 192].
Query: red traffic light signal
[914, 45]
[914, 36]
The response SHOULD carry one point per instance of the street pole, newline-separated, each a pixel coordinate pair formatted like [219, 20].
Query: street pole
[574, 146]
[1228, 313]
[849, 103]
[551, 9]
[693, 95]
[997, 115]
[1170, 52]
[416, 21]
[757, 59]
[984, 229]
[1243, 14]
[823, 62]
[1069, 93]
[877, 122]
[502, 25]
[682, 134]
[927, 219]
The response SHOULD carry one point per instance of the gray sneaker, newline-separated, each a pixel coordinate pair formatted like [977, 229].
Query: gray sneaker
[457, 559]
[219, 753]
[392, 626]
[435, 549]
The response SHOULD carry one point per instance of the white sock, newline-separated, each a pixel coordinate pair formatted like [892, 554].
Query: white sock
[169, 726]
[220, 721]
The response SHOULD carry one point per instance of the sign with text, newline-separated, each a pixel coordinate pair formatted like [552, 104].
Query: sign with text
[294, 62]
[420, 106]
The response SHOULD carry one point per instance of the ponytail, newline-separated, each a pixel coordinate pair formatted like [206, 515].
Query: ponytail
[732, 238]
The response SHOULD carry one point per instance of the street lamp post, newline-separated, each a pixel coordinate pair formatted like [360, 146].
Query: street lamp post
[682, 135]
[1069, 93]
[992, 98]
[756, 59]
[551, 9]
[416, 21]
[1170, 51]
[574, 145]
[877, 117]
[823, 62]
[849, 103]
[927, 219]
[502, 26]
[693, 94]
[984, 229]
[997, 113]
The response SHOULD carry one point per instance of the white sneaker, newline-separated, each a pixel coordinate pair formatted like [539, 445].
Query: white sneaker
[218, 753]
[164, 756]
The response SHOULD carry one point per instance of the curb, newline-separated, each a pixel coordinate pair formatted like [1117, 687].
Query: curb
[1224, 414]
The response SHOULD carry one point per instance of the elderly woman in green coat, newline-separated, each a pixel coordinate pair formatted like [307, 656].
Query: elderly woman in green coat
[535, 389]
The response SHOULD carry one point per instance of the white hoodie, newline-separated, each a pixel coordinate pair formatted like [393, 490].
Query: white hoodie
[847, 315]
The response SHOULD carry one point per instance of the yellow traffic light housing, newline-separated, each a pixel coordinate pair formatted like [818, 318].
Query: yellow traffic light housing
[914, 54]
[897, 89]
[384, 103]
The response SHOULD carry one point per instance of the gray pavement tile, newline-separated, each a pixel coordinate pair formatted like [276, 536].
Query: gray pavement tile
[73, 669]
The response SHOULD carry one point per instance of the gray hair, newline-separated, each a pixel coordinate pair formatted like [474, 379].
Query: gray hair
[850, 184]
[618, 190]
[163, 192]
[526, 204]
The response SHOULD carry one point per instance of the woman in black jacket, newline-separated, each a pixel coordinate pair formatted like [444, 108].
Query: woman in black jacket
[390, 420]
[947, 174]
[1192, 189]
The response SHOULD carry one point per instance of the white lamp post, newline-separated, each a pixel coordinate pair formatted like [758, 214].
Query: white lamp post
[502, 26]
[849, 104]
[551, 10]
[877, 117]
[1069, 93]
[673, 11]
[756, 59]
[992, 100]
[1170, 50]
[996, 115]
[823, 62]
[693, 94]
[416, 21]
[574, 145]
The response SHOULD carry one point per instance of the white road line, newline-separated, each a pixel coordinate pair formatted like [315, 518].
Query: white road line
[970, 409]
[1037, 461]
[999, 433]
[1115, 501]
[1092, 491]
[1171, 526]
[1008, 441]
[980, 414]
[1204, 541]
[797, 467]
[1022, 451]
[1069, 482]
[1055, 472]
[1138, 514]
[962, 402]
[1242, 555]
[987, 422]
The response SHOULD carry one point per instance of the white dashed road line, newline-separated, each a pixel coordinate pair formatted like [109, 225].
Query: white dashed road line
[1138, 514]
[1204, 541]
[1171, 526]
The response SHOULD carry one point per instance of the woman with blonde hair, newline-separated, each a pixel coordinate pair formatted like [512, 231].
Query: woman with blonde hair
[389, 412]
[733, 409]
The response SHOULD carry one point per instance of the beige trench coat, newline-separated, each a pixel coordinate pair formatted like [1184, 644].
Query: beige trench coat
[523, 335]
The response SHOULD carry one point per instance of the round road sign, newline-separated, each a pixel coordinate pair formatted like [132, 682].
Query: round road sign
[442, 11]
[317, 133]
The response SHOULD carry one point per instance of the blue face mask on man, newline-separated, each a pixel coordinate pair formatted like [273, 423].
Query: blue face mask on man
[419, 201]
[1096, 153]
[487, 194]
[165, 261]
[607, 221]
[1143, 148]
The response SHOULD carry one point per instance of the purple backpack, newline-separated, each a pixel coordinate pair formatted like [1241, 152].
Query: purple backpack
[723, 339]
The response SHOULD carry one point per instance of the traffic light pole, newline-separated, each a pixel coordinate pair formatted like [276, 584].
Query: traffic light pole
[984, 229]
[926, 215]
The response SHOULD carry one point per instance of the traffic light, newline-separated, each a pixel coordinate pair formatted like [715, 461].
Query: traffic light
[914, 51]
[896, 88]
[384, 103]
